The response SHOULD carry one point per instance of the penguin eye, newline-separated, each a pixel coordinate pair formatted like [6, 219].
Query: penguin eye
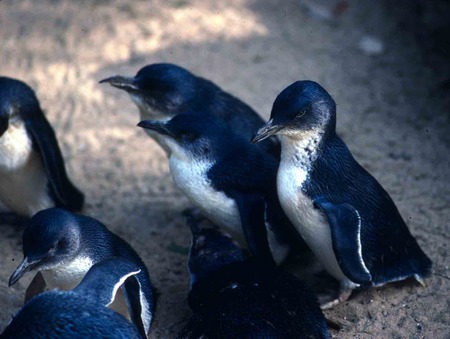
[61, 244]
[302, 113]
[205, 150]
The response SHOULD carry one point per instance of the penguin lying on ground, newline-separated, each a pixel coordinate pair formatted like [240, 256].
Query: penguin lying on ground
[235, 297]
[32, 172]
[232, 182]
[164, 90]
[345, 216]
[62, 246]
[81, 312]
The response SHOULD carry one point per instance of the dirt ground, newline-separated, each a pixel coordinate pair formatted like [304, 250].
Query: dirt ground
[393, 112]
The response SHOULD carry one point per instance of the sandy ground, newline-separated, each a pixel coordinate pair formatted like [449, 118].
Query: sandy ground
[393, 112]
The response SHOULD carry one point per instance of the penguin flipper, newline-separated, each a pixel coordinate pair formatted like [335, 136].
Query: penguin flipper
[36, 286]
[252, 210]
[104, 278]
[65, 192]
[132, 292]
[345, 225]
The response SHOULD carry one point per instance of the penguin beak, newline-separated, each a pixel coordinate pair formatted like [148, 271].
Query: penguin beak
[23, 268]
[266, 131]
[157, 126]
[4, 123]
[121, 82]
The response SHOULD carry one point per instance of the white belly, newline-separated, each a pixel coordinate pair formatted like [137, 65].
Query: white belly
[23, 181]
[309, 222]
[190, 176]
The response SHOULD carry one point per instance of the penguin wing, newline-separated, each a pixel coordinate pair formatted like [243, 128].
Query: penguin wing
[345, 225]
[66, 194]
[104, 278]
[252, 212]
[137, 307]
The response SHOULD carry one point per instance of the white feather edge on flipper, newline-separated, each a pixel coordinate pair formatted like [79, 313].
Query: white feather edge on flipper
[120, 283]
[146, 314]
[361, 259]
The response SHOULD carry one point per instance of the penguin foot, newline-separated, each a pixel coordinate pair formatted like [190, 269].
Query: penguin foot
[343, 296]
[420, 280]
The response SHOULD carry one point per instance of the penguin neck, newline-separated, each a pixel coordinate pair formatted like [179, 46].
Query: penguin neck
[148, 113]
[302, 148]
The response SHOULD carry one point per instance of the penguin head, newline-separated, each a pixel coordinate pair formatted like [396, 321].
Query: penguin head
[159, 87]
[192, 135]
[51, 238]
[302, 107]
[210, 250]
[16, 99]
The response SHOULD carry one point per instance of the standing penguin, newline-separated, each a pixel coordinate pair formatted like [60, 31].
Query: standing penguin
[232, 182]
[345, 216]
[32, 172]
[81, 312]
[163, 90]
[235, 297]
[62, 246]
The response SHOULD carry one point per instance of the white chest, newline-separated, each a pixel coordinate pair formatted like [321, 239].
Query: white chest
[311, 223]
[15, 147]
[190, 176]
[68, 275]
[23, 181]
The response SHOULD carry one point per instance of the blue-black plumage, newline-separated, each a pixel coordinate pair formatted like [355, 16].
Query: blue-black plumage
[32, 172]
[164, 90]
[231, 181]
[233, 296]
[347, 218]
[81, 312]
[62, 246]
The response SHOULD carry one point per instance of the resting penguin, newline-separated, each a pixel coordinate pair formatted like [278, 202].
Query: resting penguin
[32, 172]
[163, 90]
[345, 216]
[230, 181]
[62, 246]
[235, 297]
[81, 312]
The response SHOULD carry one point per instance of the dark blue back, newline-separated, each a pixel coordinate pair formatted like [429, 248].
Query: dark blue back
[66, 315]
[249, 300]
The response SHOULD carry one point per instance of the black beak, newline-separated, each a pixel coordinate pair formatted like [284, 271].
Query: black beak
[118, 81]
[157, 126]
[266, 131]
[23, 268]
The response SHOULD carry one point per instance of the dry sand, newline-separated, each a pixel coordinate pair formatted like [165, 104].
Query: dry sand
[392, 112]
